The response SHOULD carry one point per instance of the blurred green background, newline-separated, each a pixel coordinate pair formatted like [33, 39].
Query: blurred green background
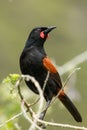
[17, 18]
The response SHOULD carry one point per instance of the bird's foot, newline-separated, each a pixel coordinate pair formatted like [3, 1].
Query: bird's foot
[41, 117]
[43, 126]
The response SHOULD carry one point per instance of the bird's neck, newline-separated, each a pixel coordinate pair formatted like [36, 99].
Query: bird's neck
[41, 49]
[37, 44]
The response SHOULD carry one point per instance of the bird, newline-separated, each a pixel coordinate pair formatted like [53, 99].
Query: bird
[35, 62]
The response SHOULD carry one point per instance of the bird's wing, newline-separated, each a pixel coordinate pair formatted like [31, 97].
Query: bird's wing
[48, 65]
[51, 68]
[62, 96]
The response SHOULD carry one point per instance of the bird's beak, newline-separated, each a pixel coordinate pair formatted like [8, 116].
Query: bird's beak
[49, 29]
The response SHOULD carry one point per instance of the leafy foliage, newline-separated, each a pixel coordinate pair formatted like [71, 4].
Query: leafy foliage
[11, 78]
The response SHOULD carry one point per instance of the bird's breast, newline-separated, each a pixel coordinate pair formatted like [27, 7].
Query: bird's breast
[31, 64]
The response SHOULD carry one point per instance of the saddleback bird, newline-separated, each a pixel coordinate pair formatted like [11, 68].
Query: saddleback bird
[34, 62]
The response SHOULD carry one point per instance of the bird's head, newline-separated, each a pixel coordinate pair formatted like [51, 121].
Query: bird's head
[39, 35]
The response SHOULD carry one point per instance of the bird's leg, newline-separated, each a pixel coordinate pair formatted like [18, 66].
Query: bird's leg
[42, 114]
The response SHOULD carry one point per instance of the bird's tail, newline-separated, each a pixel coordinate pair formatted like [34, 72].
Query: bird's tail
[70, 106]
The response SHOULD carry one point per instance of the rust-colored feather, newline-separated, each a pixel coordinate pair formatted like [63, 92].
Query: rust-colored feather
[48, 65]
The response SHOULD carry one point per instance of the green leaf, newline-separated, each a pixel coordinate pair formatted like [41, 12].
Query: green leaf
[11, 78]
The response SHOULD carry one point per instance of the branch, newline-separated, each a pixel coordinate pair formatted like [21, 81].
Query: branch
[76, 69]
[11, 119]
[34, 123]
[45, 82]
[45, 122]
[28, 106]
[32, 113]
[61, 125]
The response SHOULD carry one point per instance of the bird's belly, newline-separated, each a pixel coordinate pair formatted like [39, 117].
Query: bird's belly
[39, 74]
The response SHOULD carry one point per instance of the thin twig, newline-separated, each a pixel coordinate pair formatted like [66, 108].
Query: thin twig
[45, 82]
[21, 96]
[36, 101]
[11, 119]
[76, 69]
[26, 116]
